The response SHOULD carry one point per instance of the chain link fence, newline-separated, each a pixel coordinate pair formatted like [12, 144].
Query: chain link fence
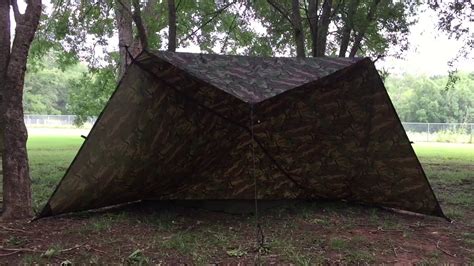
[55, 121]
[417, 132]
[440, 132]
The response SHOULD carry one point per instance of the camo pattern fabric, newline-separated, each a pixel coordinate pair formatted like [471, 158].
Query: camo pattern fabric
[168, 133]
[254, 79]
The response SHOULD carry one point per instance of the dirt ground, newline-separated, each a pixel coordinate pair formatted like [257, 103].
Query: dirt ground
[304, 234]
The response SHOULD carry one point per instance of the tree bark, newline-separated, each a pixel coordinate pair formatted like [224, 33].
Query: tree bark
[171, 26]
[125, 33]
[313, 24]
[298, 28]
[323, 28]
[4, 56]
[360, 35]
[348, 27]
[16, 180]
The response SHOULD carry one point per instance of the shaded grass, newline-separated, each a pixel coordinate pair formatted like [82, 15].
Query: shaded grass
[199, 243]
[292, 253]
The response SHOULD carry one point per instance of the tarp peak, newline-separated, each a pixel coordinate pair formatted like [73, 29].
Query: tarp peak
[251, 79]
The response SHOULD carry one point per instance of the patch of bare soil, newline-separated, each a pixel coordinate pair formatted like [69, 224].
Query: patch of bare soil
[303, 234]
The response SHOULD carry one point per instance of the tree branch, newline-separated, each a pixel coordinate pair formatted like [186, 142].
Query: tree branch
[231, 27]
[16, 11]
[177, 5]
[360, 35]
[125, 7]
[216, 14]
[171, 26]
[137, 17]
[281, 11]
[313, 25]
[298, 28]
[148, 12]
[323, 27]
[348, 27]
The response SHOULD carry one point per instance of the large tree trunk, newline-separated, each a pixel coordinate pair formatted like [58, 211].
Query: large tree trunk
[298, 28]
[313, 24]
[125, 33]
[360, 35]
[171, 26]
[4, 40]
[323, 28]
[16, 179]
[348, 27]
[4, 55]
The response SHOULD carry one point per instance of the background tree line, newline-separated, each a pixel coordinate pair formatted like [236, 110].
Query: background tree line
[426, 99]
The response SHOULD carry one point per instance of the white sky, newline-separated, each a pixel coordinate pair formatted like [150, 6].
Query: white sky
[429, 52]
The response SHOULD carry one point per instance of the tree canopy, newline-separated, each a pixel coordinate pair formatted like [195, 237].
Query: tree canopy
[97, 32]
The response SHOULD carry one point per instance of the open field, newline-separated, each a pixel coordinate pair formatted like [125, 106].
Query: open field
[302, 234]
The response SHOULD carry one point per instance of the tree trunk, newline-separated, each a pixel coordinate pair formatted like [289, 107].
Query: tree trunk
[298, 28]
[360, 35]
[171, 26]
[323, 28]
[16, 180]
[313, 24]
[4, 56]
[125, 33]
[348, 27]
[4, 40]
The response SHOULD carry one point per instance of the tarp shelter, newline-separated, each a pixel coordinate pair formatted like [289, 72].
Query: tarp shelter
[194, 126]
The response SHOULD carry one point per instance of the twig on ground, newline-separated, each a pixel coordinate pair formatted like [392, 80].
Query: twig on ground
[444, 251]
[384, 230]
[13, 229]
[17, 250]
[69, 249]
[11, 253]
[98, 250]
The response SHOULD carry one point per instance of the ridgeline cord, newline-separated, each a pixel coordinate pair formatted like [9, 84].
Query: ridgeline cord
[128, 53]
[260, 238]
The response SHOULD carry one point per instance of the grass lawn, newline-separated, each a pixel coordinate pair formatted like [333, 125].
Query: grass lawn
[304, 234]
[49, 158]
[445, 153]
[450, 169]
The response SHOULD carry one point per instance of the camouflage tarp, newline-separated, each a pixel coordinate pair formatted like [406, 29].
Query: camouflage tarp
[179, 126]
